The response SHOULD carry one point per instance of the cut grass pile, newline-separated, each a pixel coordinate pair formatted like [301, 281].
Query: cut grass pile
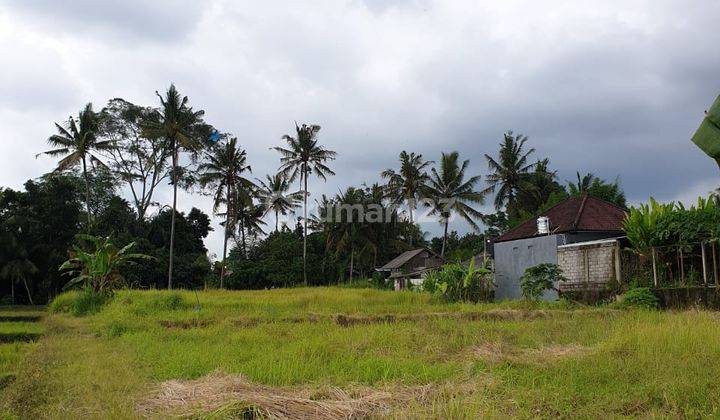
[357, 352]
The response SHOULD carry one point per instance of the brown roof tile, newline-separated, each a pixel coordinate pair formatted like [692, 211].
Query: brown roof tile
[582, 213]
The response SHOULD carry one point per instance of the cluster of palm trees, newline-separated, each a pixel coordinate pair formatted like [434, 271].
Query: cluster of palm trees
[180, 134]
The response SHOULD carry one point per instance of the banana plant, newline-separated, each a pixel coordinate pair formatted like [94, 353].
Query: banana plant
[99, 270]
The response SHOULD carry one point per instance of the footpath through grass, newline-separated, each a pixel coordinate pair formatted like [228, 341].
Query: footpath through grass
[430, 359]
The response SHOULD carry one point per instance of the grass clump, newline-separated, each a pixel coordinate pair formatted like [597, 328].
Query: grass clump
[79, 302]
[640, 297]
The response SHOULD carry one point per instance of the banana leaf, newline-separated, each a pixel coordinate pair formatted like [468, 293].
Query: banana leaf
[707, 136]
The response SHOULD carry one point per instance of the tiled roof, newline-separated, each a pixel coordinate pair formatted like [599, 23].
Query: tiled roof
[582, 213]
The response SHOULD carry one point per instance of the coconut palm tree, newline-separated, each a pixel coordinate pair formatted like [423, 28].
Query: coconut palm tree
[224, 170]
[302, 157]
[77, 143]
[591, 185]
[274, 195]
[509, 171]
[249, 218]
[451, 193]
[15, 264]
[178, 124]
[405, 185]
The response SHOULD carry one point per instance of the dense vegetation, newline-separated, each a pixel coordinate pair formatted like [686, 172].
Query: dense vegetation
[129, 150]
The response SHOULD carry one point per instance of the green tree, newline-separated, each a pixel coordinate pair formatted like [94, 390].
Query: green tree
[451, 193]
[274, 195]
[406, 184]
[302, 157]
[595, 187]
[138, 160]
[77, 142]
[509, 172]
[179, 125]
[223, 171]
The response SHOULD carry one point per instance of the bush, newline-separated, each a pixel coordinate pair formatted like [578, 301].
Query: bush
[641, 297]
[539, 278]
[455, 283]
[79, 302]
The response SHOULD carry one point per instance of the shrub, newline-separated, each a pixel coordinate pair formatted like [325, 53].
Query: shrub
[98, 270]
[539, 278]
[455, 283]
[641, 297]
[79, 302]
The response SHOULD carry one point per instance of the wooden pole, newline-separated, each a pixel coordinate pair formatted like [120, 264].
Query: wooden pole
[704, 264]
[715, 269]
[617, 263]
[654, 263]
[682, 266]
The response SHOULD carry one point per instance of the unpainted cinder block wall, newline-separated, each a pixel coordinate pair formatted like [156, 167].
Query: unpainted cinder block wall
[600, 260]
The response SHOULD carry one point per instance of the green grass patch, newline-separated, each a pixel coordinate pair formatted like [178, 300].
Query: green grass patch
[507, 359]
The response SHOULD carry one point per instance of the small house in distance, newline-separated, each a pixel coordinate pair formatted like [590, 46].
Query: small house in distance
[591, 225]
[410, 267]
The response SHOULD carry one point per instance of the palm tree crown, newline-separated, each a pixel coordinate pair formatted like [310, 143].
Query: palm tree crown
[509, 171]
[451, 193]
[76, 143]
[406, 184]
[274, 194]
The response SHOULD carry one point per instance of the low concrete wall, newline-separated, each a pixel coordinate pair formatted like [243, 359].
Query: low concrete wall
[688, 297]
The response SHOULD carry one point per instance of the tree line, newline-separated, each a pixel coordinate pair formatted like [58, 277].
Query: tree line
[138, 149]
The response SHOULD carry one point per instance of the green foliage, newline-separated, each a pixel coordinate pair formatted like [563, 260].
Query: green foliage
[99, 270]
[79, 302]
[656, 224]
[456, 283]
[539, 278]
[640, 297]
[595, 187]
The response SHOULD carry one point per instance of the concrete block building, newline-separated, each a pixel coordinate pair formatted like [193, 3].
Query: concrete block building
[577, 220]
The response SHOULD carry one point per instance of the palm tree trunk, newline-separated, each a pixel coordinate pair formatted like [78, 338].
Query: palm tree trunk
[305, 194]
[87, 191]
[352, 262]
[172, 218]
[12, 290]
[442, 252]
[411, 207]
[27, 289]
[242, 234]
[227, 227]
[276, 220]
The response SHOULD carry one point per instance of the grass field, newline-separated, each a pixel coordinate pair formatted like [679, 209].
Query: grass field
[361, 352]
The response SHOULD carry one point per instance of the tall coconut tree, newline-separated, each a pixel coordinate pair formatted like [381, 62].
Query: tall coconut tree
[223, 171]
[451, 193]
[178, 124]
[303, 157]
[76, 143]
[273, 193]
[509, 172]
[405, 185]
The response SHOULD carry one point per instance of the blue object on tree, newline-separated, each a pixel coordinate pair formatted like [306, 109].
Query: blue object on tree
[215, 137]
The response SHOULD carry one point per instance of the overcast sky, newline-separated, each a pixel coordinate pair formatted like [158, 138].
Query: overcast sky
[614, 87]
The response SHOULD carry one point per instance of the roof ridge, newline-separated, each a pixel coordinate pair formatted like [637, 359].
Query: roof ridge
[580, 211]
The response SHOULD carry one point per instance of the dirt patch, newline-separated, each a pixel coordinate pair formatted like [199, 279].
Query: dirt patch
[185, 324]
[231, 396]
[18, 338]
[20, 318]
[496, 352]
